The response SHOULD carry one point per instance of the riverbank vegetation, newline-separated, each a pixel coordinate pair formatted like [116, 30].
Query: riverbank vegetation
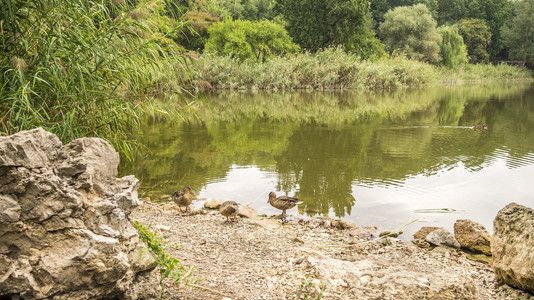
[85, 68]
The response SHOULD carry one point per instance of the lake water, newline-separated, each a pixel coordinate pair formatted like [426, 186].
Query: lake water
[380, 159]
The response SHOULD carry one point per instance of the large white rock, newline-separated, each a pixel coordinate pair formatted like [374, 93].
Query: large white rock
[65, 231]
[512, 246]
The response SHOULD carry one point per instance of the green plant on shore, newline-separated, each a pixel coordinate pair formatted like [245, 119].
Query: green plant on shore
[73, 67]
[169, 266]
[309, 291]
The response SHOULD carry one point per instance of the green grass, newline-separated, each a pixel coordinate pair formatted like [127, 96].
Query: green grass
[335, 69]
[82, 68]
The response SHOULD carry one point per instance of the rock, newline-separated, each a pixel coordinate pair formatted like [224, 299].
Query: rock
[423, 232]
[247, 212]
[372, 276]
[343, 224]
[267, 223]
[442, 237]
[511, 246]
[421, 243]
[389, 234]
[472, 236]
[213, 204]
[65, 230]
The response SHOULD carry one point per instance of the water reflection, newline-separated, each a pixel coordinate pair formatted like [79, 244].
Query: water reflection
[375, 158]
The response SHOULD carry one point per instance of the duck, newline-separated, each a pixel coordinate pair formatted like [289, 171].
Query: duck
[479, 127]
[283, 202]
[183, 197]
[228, 209]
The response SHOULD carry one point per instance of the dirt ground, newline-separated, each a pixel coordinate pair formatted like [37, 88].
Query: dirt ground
[264, 258]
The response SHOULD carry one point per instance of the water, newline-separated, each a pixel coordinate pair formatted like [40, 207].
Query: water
[375, 159]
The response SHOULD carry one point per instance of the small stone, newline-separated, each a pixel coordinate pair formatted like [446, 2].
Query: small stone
[162, 228]
[421, 243]
[213, 204]
[389, 234]
[343, 224]
[247, 212]
[267, 223]
[442, 237]
[423, 232]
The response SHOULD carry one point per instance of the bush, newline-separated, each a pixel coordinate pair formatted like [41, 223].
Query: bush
[453, 50]
[411, 30]
[477, 38]
[245, 39]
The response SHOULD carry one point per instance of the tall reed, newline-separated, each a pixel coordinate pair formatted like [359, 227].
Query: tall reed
[68, 65]
[335, 69]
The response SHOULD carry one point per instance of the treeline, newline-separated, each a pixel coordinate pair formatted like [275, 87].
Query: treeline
[445, 32]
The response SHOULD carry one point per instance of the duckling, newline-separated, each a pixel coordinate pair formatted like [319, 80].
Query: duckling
[229, 208]
[479, 127]
[283, 202]
[183, 197]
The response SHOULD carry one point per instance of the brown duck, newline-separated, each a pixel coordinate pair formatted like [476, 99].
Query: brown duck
[283, 202]
[479, 127]
[228, 209]
[183, 197]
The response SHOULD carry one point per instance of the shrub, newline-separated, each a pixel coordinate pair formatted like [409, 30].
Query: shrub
[453, 50]
[245, 39]
[411, 30]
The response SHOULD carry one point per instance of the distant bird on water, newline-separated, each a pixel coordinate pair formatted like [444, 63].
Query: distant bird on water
[183, 197]
[479, 127]
[228, 209]
[283, 202]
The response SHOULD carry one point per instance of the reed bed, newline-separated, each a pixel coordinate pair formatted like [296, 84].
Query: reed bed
[335, 69]
[78, 68]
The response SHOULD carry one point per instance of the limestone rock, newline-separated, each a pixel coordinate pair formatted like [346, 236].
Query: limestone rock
[371, 276]
[65, 231]
[423, 232]
[213, 204]
[247, 212]
[421, 243]
[472, 236]
[442, 237]
[511, 246]
[343, 224]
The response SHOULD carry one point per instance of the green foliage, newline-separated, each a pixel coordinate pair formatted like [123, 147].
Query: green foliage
[67, 65]
[196, 36]
[169, 266]
[518, 35]
[245, 39]
[453, 50]
[380, 7]
[411, 30]
[329, 68]
[494, 12]
[477, 38]
[318, 24]
[366, 46]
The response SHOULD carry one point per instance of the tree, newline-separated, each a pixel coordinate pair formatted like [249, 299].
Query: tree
[518, 34]
[411, 30]
[196, 35]
[453, 50]
[316, 24]
[246, 39]
[494, 12]
[477, 38]
[451, 11]
[380, 7]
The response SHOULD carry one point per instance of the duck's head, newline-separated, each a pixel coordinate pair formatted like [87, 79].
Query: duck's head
[188, 189]
[272, 195]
